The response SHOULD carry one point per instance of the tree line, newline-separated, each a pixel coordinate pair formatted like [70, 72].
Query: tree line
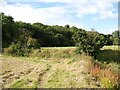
[21, 37]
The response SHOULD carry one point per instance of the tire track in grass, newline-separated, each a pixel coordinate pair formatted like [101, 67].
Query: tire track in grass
[11, 78]
[32, 76]
[15, 69]
[72, 75]
[20, 70]
[42, 74]
[18, 75]
[29, 77]
[55, 66]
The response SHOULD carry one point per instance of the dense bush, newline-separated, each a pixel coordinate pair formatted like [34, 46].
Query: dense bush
[88, 42]
[17, 50]
[116, 37]
[23, 44]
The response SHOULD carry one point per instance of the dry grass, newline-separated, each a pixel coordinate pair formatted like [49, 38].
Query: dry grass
[59, 71]
[57, 68]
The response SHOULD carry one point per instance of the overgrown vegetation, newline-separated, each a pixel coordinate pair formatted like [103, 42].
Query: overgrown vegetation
[88, 42]
[105, 68]
[53, 67]
[26, 36]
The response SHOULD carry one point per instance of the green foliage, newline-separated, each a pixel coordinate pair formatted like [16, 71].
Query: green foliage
[8, 30]
[88, 42]
[116, 37]
[32, 36]
[61, 39]
[115, 33]
[116, 41]
[108, 39]
[22, 45]
[17, 50]
[44, 34]
[107, 83]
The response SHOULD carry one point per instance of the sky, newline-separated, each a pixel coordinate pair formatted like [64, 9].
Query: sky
[102, 15]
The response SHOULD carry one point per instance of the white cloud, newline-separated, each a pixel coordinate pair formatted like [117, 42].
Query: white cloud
[111, 30]
[2, 3]
[107, 14]
[49, 15]
[61, 15]
[81, 11]
[101, 9]
[51, 1]
[72, 1]
[28, 14]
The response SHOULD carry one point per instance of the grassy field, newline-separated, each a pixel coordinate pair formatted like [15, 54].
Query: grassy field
[60, 67]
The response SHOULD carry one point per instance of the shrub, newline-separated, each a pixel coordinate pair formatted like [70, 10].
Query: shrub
[17, 50]
[88, 42]
[23, 44]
